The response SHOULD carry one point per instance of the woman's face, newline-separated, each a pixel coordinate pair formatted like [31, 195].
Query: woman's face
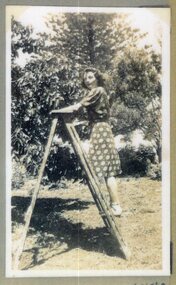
[90, 80]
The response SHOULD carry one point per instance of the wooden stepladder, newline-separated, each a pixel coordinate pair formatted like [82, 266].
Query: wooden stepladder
[94, 185]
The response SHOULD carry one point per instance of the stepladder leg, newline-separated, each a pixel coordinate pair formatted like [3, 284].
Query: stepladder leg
[97, 191]
[30, 209]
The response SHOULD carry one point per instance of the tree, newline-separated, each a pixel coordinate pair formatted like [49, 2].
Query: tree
[21, 42]
[44, 83]
[138, 94]
[90, 38]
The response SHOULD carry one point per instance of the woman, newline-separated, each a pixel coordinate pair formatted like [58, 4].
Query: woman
[102, 152]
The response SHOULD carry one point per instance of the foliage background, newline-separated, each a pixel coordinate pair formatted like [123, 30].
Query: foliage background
[51, 78]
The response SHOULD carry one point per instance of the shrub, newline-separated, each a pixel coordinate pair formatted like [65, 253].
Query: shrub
[136, 161]
[154, 171]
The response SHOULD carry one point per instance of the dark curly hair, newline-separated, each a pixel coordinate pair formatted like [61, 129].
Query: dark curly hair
[98, 75]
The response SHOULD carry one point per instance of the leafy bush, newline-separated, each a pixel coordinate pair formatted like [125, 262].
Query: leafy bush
[154, 171]
[134, 162]
[62, 162]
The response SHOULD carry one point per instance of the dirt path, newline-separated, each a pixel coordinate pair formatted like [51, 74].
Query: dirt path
[67, 232]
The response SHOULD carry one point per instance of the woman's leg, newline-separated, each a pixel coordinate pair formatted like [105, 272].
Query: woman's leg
[113, 192]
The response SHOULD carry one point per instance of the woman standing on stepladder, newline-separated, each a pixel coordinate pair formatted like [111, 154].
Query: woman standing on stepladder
[102, 153]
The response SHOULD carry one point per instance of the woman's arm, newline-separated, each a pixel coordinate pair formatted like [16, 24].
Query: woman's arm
[69, 109]
[93, 97]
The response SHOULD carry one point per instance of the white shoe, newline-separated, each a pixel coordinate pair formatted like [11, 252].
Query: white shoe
[116, 209]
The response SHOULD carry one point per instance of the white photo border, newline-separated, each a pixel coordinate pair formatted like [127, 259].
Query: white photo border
[165, 161]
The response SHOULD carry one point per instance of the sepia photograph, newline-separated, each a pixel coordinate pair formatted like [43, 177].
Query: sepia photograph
[88, 141]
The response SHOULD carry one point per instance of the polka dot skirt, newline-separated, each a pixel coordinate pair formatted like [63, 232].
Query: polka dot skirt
[102, 153]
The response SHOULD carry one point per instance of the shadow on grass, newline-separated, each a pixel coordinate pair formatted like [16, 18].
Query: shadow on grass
[51, 227]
